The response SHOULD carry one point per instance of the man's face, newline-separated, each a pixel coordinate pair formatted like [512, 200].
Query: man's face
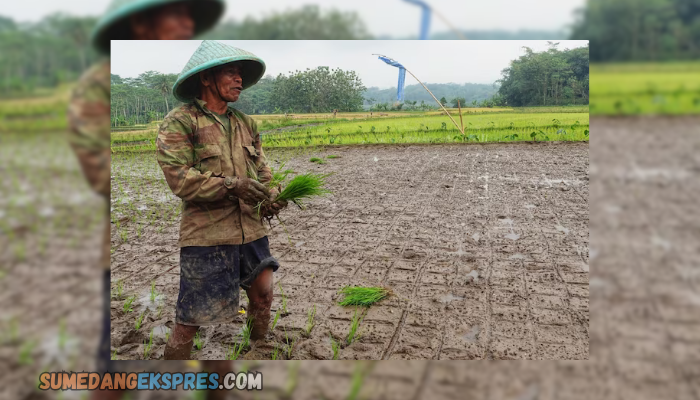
[229, 82]
[168, 22]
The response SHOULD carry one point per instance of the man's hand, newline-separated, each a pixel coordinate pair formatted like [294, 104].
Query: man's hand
[276, 206]
[248, 190]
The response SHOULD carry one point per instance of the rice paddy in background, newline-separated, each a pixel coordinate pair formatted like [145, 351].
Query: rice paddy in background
[671, 88]
[304, 130]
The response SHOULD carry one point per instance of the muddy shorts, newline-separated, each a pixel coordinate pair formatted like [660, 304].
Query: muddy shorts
[210, 278]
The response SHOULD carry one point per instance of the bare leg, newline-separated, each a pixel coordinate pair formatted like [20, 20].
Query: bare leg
[180, 344]
[260, 297]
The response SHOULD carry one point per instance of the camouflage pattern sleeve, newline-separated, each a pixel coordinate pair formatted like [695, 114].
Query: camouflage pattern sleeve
[264, 171]
[89, 122]
[176, 157]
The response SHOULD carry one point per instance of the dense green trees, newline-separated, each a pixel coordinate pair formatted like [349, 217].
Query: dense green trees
[143, 99]
[43, 54]
[305, 23]
[148, 97]
[552, 77]
[626, 30]
[57, 49]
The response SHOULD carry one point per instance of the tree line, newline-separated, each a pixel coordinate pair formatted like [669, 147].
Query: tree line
[548, 78]
[149, 97]
[640, 30]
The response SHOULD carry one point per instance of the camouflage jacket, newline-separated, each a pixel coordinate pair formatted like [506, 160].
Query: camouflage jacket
[89, 123]
[197, 154]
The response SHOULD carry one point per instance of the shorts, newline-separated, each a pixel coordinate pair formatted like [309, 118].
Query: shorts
[211, 276]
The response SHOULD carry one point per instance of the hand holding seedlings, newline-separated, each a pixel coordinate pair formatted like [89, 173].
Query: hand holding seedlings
[276, 205]
[248, 190]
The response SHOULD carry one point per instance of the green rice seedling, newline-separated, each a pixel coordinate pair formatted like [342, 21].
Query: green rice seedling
[148, 346]
[198, 341]
[235, 352]
[310, 321]
[284, 299]
[335, 347]
[290, 344]
[303, 187]
[292, 379]
[275, 352]
[139, 320]
[128, 304]
[353, 334]
[154, 294]
[118, 291]
[358, 379]
[247, 330]
[362, 296]
[317, 160]
[25, 352]
[114, 355]
[160, 310]
[62, 334]
[275, 320]
[332, 156]
[167, 336]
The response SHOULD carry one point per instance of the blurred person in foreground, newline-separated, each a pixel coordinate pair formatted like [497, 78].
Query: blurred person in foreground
[89, 117]
[212, 158]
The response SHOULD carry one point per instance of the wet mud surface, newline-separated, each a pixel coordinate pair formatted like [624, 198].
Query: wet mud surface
[485, 248]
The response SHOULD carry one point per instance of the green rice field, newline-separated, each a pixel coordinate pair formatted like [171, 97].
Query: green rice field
[507, 125]
[671, 88]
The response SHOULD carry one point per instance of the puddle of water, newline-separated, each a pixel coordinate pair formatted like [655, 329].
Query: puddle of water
[376, 159]
[512, 236]
[474, 274]
[476, 237]
[530, 206]
[562, 229]
[142, 208]
[473, 334]
[448, 298]
[506, 221]
[299, 244]
[517, 256]
[612, 209]
[60, 353]
[45, 212]
[160, 331]
[661, 242]
[151, 305]
[531, 393]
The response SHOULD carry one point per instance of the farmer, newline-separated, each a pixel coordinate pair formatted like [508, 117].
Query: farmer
[89, 115]
[212, 158]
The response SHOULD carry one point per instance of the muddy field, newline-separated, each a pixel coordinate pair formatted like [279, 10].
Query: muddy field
[484, 246]
[644, 286]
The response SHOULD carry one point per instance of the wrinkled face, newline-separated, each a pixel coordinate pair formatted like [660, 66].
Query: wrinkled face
[168, 22]
[228, 81]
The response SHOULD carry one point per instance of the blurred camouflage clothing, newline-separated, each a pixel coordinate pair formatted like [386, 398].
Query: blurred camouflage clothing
[89, 119]
[199, 157]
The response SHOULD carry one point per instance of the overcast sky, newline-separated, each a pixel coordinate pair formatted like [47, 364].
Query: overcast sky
[431, 61]
[383, 17]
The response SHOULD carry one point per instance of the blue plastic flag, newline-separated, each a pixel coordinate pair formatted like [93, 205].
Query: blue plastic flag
[402, 76]
[425, 20]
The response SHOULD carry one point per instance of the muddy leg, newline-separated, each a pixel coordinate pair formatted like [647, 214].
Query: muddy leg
[180, 344]
[221, 368]
[260, 297]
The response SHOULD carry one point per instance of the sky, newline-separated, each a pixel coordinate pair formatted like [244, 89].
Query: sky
[383, 17]
[431, 61]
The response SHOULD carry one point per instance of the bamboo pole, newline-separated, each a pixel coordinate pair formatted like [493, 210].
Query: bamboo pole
[460, 116]
[437, 101]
